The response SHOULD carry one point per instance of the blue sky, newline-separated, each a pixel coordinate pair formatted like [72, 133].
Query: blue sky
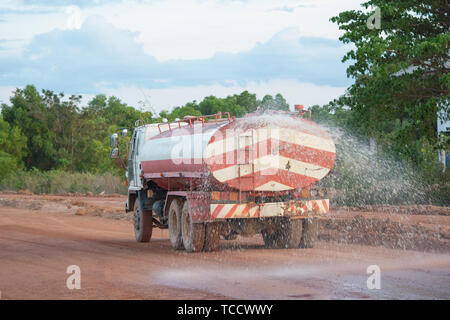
[167, 52]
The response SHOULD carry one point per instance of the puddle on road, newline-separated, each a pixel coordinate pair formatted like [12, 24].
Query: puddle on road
[257, 283]
[329, 282]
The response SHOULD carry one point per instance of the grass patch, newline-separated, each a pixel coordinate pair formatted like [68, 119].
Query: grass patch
[58, 182]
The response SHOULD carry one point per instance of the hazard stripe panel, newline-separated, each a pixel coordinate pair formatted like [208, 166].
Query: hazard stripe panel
[272, 209]
[227, 211]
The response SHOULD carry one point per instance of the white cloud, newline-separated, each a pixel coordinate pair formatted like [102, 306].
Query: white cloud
[98, 52]
[74, 17]
[195, 29]
[187, 29]
[5, 93]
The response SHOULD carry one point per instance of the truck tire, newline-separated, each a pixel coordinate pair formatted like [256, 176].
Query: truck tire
[143, 223]
[227, 232]
[176, 238]
[286, 235]
[193, 233]
[212, 236]
[269, 239]
[310, 232]
[230, 236]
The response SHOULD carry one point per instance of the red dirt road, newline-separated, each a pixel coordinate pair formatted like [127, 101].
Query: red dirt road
[40, 236]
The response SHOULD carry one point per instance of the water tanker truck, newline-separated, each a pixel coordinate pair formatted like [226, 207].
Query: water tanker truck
[211, 177]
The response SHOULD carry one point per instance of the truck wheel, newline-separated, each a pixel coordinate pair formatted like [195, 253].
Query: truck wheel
[310, 232]
[212, 236]
[286, 235]
[292, 233]
[230, 236]
[269, 239]
[143, 223]
[176, 239]
[193, 233]
[227, 232]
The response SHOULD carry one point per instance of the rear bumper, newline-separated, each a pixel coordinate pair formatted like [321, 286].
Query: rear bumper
[293, 208]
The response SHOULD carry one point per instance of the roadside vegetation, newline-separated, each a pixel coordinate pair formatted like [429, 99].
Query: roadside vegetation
[63, 182]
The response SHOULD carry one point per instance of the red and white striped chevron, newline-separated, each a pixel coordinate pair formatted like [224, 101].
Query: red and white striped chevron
[272, 209]
[271, 157]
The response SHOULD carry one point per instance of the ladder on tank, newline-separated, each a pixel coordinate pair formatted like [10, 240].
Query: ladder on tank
[245, 161]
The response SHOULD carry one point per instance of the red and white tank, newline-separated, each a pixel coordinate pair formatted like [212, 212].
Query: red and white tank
[270, 151]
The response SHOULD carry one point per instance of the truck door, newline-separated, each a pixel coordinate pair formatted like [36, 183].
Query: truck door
[130, 173]
[137, 160]
[134, 162]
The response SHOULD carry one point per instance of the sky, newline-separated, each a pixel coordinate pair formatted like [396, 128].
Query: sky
[158, 54]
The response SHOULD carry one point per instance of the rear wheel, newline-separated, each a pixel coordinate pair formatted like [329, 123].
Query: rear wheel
[269, 238]
[193, 233]
[212, 236]
[227, 232]
[286, 235]
[143, 223]
[230, 236]
[310, 232]
[176, 238]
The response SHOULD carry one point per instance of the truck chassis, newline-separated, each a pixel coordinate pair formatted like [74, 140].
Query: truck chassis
[197, 220]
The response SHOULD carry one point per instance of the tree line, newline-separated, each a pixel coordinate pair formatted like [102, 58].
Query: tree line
[45, 130]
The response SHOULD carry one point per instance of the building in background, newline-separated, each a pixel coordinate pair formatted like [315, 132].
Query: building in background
[443, 129]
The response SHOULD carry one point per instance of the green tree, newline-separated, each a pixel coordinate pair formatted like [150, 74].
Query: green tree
[400, 71]
[29, 112]
[212, 105]
[12, 149]
[247, 100]
[190, 109]
[113, 111]
[12, 141]
[8, 164]
[277, 103]
[334, 115]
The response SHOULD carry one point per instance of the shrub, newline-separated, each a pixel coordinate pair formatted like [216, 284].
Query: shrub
[58, 182]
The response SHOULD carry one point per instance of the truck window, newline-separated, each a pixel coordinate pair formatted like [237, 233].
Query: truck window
[138, 141]
[131, 158]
